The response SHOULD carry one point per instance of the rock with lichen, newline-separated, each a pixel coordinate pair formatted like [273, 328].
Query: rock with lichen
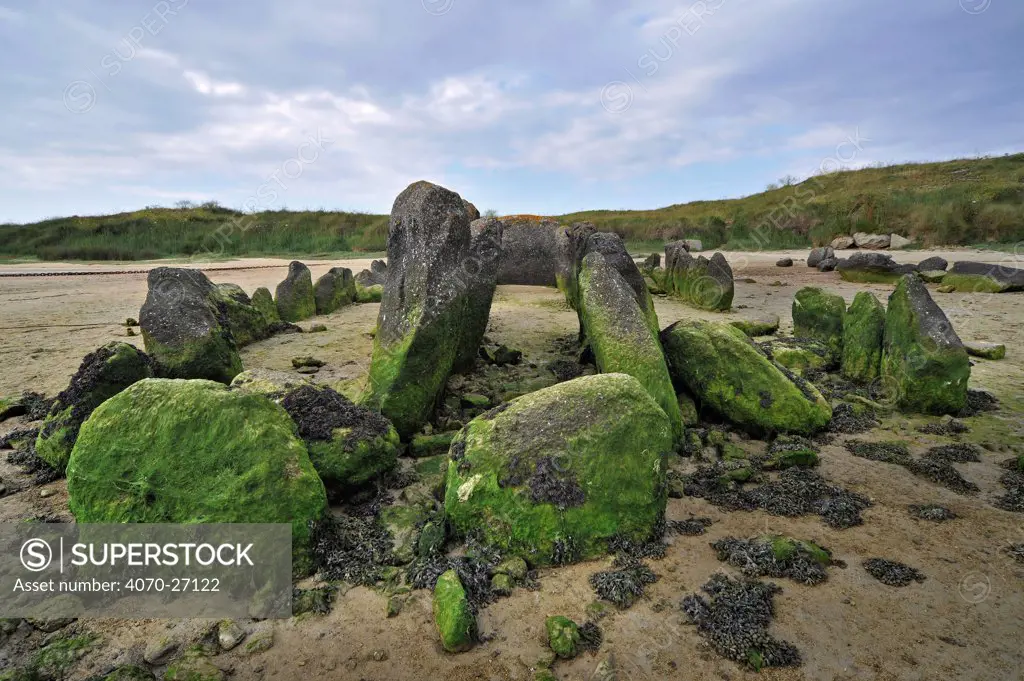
[563, 636]
[863, 328]
[335, 289]
[453, 615]
[294, 296]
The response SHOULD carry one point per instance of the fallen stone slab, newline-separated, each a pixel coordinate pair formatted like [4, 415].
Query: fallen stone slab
[871, 241]
[985, 350]
[872, 268]
[979, 277]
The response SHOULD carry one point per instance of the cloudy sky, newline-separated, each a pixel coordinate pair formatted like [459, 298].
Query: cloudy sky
[526, 106]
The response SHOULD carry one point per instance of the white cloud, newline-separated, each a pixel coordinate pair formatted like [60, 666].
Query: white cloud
[208, 86]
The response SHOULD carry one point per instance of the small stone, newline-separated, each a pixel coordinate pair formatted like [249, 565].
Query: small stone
[159, 650]
[380, 655]
[502, 585]
[515, 568]
[985, 350]
[317, 328]
[47, 492]
[784, 262]
[3, 489]
[131, 321]
[473, 400]
[299, 362]
[395, 604]
[947, 288]
[308, 370]
[229, 634]
[259, 642]
[563, 636]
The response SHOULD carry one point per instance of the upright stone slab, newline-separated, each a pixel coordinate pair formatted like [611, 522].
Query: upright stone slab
[707, 284]
[377, 275]
[471, 211]
[569, 243]
[819, 315]
[335, 289]
[863, 329]
[480, 273]
[613, 248]
[295, 300]
[263, 300]
[184, 329]
[246, 322]
[619, 332]
[528, 251]
[421, 315]
[725, 372]
[925, 367]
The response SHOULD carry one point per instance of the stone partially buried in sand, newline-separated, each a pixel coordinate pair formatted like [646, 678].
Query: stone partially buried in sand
[422, 313]
[818, 314]
[335, 289]
[555, 474]
[762, 325]
[621, 334]
[985, 350]
[295, 299]
[453, 615]
[863, 329]
[174, 451]
[102, 374]
[869, 268]
[979, 277]
[924, 365]
[723, 370]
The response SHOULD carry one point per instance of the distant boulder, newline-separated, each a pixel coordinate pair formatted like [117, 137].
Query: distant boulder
[816, 255]
[978, 277]
[871, 241]
[295, 299]
[653, 261]
[529, 254]
[872, 268]
[842, 242]
[933, 264]
[335, 289]
[897, 241]
[707, 284]
[784, 262]
[828, 264]
[377, 275]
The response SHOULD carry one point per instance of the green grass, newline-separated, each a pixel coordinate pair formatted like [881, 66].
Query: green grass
[964, 202]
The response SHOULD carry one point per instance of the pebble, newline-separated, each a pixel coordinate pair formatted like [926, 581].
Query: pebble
[48, 492]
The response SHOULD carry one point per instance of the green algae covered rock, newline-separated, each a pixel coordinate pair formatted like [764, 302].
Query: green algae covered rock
[563, 636]
[819, 315]
[263, 300]
[335, 289]
[246, 323]
[985, 350]
[193, 667]
[784, 548]
[369, 294]
[479, 271]
[174, 451]
[294, 295]
[764, 325]
[452, 614]
[863, 328]
[924, 364]
[799, 355]
[184, 329]
[707, 284]
[102, 374]
[553, 475]
[724, 371]
[569, 243]
[620, 335]
[422, 313]
[977, 277]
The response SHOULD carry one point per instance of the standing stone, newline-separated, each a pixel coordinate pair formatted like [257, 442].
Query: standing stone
[872, 241]
[480, 271]
[842, 242]
[244, 320]
[421, 315]
[184, 329]
[818, 254]
[924, 364]
[377, 275]
[819, 315]
[263, 300]
[620, 334]
[471, 210]
[863, 328]
[569, 244]
[335, 289]
[528, 252]
[653, 261]
[707, 284]
[612, 247]
[295, 300]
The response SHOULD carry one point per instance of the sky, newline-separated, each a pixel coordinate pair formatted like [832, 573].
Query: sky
[521, 107]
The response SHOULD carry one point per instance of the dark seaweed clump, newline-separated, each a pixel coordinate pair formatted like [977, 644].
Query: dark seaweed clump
[845, 420]
[959, 452]
[623, 586]
[932, 512]
[350, 549]
[757, 558]
[318, 412]
[591, 636]
[734, 619]
[891, 573]
[887, 452]
[548, 482]
[1016, 551]
[28, 461]
[934, 467]
[691, 527]
[565, 370]
[1013, 481]
[945, 427]
[942, 473]
[474, 570]
[27, 435]
[796, 492]
[979, 401]
[34, 406]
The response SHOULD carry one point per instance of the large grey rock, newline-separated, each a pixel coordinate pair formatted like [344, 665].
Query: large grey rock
[707, 284]
[653, 261]
[529, 254]
[871, 241]
[377, 275]
[933, 264]
[185, 329]
[872, 267]
[335, 289]
[471, 210]
[977, 277]
[828, 264]
[622, 333]
[421, 315]
[294, 295]
[842, 243]
[613, 248]
[693, 245]
[925, 368]
[816, 255]
[480, 273]
[897, 241]
[569, 245]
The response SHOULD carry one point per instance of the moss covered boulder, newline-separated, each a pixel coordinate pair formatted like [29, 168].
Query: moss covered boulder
[552, 476]
[925, 367]
[453, 615]
[819, 315]
[563, 636]
[246, 323]
[872, 268]
[979, 277]
[335, 289]
[619, 333]
[479, 272]
[174, 451]
[102, 374]
[707, 284]
[613, 249]
[800, 355]
[725, 372]
[294, 295]
[369, 294]
[423, 311]
[863, 328]
[263, 300]
[569, 243]
[184, 329]
[762, 325]
[985, 350]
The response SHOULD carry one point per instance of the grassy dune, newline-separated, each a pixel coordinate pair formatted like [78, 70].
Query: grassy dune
[963, 202]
